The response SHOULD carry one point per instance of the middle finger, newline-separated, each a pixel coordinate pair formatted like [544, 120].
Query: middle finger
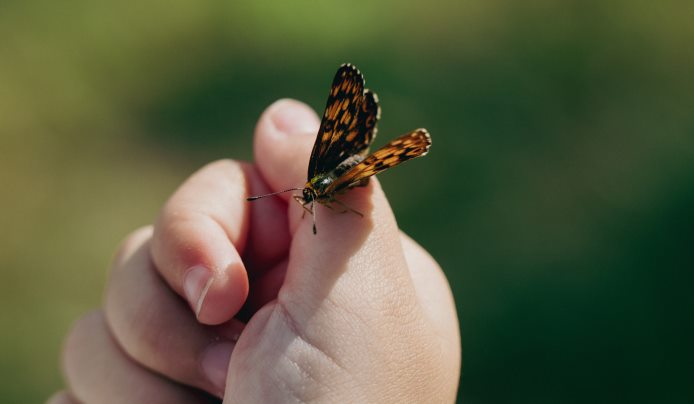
[154, 326]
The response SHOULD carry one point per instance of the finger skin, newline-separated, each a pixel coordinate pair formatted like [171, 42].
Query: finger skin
[347, 320]
[155, 327]
[436, 300]
[206, 225]
[431, 286]
[268, 231]
[61, 397]
[282, 152]
[272, 145]
[265, 289]
[97, 371]
[198, 237]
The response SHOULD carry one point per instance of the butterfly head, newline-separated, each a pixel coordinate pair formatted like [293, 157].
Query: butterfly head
[309, 194]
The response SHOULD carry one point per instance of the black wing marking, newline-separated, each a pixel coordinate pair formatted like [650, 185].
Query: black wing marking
[349, 122]
[406, 147]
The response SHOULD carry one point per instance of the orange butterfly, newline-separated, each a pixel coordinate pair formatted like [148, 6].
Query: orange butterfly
[339, 158]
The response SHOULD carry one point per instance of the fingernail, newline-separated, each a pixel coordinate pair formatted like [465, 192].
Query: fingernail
[291, 117]
[215, 364]
[196, 283]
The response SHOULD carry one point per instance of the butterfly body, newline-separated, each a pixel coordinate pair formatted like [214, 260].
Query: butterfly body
[340, 159]
[319, 185]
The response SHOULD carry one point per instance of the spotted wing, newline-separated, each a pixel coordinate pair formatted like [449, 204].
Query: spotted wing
[406, 147]
[349, 122]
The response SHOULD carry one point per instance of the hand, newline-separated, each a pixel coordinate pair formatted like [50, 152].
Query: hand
[357, 313]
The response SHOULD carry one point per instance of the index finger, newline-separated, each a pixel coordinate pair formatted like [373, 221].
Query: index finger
[202, 232]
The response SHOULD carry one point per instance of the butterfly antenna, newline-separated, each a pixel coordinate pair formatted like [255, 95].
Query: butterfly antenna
[313, 212]
[253, 198]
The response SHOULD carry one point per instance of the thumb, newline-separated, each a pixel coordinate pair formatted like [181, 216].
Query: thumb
[356, 261]
[363, 253]
[346, 317]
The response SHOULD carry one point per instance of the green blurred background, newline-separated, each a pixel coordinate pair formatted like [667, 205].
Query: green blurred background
[558, 195]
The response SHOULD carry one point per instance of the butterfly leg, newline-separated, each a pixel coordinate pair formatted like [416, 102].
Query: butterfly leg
[331, 207]
[313, 212]
[347, 208]
[303, 204]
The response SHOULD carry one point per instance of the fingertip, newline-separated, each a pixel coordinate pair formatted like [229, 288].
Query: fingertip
[290, 116]
[199, 238]
[195, 255]
[283, 140]
[216, 296]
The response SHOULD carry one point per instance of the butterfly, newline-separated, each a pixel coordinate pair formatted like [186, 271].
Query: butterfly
[340, 158]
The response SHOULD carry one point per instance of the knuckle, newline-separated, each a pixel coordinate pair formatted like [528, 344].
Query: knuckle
[220, 165]
[226, 170]
[130, 244]
[79, 334]
[311, 351]
[60, 397]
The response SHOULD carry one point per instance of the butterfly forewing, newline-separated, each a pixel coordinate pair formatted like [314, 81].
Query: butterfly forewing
[339, 158]
[349, 122]
[406, 147]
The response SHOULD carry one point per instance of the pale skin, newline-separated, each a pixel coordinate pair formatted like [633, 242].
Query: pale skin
[357, 313]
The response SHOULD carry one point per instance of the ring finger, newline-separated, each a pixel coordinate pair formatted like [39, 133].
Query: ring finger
[97, 371]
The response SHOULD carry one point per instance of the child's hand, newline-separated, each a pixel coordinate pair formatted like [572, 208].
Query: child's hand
[357, 313]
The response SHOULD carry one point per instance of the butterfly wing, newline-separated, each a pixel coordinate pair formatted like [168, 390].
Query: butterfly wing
[349, 122]
[406, 147]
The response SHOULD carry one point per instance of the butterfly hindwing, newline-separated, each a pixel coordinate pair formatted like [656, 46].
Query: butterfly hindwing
[406, 147]
[339, 159]
[349, 122]
[361, 139]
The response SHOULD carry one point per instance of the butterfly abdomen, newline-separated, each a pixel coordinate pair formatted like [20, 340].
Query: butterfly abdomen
[346, 165]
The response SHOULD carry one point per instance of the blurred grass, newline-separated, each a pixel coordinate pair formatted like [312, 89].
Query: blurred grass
[557, 196]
